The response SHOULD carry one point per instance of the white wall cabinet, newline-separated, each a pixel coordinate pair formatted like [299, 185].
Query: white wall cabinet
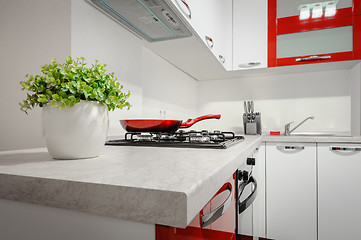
[211, 20]
[339, 193]
[222, 23]
[291, 191]
[250, 34]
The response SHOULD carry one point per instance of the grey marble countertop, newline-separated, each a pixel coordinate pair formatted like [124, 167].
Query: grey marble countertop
[167, 186]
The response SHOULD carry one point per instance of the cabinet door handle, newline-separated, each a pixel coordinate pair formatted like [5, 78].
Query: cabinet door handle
[213, 216]
[222, 59]
[348, 149]
[242, 206]
[184, 7]
[209, 42]
[312, 58]
[249, 64]
[287, 147]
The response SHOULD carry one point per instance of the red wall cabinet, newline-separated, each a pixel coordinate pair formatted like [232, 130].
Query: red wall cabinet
[223, 228]
[292, 41]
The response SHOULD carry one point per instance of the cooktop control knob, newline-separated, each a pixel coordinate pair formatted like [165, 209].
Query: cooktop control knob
[251, 161]
[242, 175]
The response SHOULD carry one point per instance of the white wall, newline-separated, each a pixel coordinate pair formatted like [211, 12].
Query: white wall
[280, 99]
[355, 85]
[31, 34]
[154, 83]
[167, 88]
[34, 32]
[95, 36]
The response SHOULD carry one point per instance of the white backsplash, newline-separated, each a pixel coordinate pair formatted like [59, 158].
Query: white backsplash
[281, 99]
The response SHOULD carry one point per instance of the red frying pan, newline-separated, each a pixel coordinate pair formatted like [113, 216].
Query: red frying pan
[159, 125]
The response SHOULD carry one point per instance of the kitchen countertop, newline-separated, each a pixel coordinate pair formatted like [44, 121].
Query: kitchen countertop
[167, 186]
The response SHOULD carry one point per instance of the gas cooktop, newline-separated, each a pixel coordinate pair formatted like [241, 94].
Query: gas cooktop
[179, 139]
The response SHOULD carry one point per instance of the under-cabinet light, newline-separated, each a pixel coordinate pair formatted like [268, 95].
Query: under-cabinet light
[330, 9]
[317, 11]
[304, 12]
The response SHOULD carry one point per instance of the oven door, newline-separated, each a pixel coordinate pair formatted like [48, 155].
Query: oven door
[246, 194]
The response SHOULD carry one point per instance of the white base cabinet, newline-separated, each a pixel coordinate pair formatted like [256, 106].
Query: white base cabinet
[259, 204]
[339, 191]
[291, 191]
[252, 220]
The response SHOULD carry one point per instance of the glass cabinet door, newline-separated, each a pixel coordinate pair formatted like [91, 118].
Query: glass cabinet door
[293, 40]
[324, 41]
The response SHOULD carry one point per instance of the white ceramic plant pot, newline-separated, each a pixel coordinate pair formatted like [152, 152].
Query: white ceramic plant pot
[75, 132]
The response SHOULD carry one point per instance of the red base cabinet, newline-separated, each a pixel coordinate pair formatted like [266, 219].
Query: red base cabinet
[223, 228]
[292, 41]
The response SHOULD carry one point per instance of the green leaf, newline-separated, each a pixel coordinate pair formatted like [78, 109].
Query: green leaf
[42, 100]
[69, 82]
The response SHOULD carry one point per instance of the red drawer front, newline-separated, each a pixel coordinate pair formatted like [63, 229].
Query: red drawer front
[223, 228]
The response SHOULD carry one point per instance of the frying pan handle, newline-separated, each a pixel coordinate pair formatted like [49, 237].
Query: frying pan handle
[190, 122]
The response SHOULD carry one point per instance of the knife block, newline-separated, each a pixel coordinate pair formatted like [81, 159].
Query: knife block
[250, 129]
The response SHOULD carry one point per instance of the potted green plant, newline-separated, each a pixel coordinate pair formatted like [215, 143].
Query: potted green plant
[75, 100]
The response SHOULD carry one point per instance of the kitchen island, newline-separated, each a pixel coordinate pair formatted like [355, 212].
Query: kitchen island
[166, 186]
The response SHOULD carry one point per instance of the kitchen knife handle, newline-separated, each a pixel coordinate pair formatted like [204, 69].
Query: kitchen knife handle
[249, 107]
[348, 149]
[214, 215]
[312, 58]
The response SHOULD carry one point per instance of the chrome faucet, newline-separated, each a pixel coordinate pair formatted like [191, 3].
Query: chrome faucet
[287, 126]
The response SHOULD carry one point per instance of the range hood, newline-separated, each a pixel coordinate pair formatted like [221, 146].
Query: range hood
[153, 20]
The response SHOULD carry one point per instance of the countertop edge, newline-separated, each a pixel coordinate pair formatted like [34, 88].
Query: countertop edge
[99, 199]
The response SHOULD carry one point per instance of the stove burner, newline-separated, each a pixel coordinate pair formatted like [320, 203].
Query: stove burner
[181, 138]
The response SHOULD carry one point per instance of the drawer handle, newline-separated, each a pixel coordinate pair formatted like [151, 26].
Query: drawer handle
[349, 149]
[209, 42]
[312, 58]
[184, 7]
[290, 147]
[213, 216]
[242, 206]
